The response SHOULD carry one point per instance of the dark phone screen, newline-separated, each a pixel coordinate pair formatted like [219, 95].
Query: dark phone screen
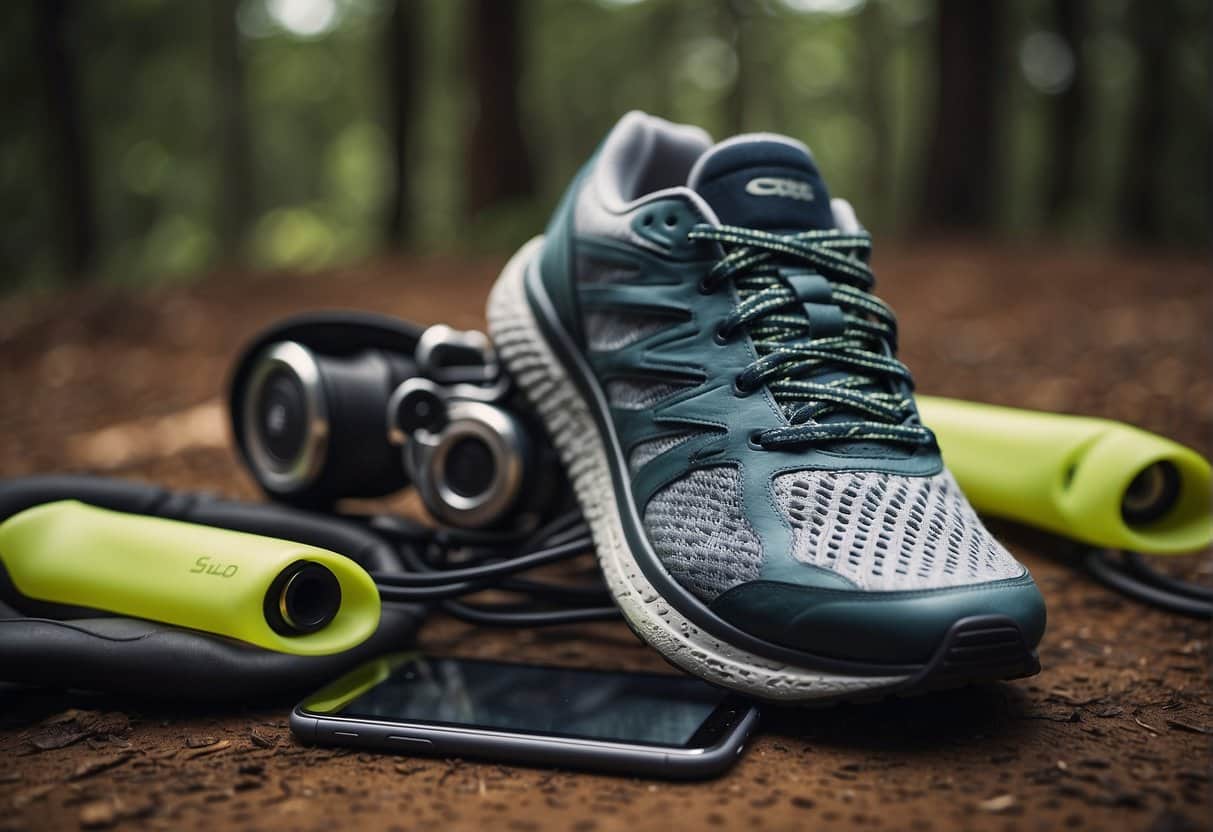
[637, 708]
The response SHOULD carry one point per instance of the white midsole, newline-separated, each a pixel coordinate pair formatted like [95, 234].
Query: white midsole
[571, 426]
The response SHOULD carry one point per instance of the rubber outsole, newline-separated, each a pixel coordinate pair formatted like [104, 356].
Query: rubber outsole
[567, 416]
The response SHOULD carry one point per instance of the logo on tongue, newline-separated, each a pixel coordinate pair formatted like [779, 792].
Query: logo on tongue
[777, 186]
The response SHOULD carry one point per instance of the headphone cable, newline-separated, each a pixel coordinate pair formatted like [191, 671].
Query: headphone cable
[488, 561]
[1130, 575]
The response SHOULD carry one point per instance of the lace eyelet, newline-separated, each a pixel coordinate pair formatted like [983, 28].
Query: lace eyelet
[720, 336]
[754, 440]
[704, 287]
[739, 390]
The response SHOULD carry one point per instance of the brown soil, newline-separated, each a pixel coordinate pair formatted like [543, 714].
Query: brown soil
[1114, 733]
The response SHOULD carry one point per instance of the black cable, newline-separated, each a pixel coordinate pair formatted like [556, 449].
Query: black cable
[1138, 566]
[506, 566]
[416, 595]
[545, 618]
[402, 528]
[557, 592]
[1142, 583]
[564, 527]
[441, 565]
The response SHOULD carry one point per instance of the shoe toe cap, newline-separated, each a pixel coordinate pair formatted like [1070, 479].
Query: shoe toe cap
[901, 627]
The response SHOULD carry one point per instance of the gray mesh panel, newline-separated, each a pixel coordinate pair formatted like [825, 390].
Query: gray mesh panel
[590, 270]
[699, 530]
[650, 449]
[606, 331]
[635, 394]
[888, 532]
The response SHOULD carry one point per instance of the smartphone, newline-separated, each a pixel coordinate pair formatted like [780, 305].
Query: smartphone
[627, 723]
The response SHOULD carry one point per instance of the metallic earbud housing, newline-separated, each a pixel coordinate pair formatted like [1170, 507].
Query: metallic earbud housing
[289, 363]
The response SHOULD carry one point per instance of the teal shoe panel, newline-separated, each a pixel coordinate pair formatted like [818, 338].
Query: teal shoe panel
[557, 268]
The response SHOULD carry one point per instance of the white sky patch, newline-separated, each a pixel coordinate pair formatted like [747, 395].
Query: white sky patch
[304, 18]
[824, 6]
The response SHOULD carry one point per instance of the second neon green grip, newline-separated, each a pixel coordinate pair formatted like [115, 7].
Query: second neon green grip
[1070, 474]
[195, 576]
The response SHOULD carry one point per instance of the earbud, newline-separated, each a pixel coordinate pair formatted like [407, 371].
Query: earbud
[313, 423]
[468, 459]
[328, 407]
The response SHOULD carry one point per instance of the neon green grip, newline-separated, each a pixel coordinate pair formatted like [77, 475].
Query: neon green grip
[269, 592]
[1093, 480]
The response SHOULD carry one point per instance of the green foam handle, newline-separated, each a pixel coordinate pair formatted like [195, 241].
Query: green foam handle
[1071, 474]
[205, 578]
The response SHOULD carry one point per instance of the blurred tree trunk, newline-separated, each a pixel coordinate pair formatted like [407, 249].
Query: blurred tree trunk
[498, 163]
[1140, 208]
[875, 45]
[959, 191]
[237, 193]
[67, 140]
[1069, 113]
[738, 32]
[664, 28]
[400, 39]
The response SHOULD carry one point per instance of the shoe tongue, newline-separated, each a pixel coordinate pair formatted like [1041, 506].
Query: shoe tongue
[763, 181]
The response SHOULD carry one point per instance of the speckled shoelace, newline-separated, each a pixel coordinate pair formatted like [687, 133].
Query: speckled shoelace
[842, 383]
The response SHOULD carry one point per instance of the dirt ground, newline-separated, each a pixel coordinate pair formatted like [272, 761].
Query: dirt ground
[1114, 733]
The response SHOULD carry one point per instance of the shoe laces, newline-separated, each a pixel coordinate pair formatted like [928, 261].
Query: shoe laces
[825, 345]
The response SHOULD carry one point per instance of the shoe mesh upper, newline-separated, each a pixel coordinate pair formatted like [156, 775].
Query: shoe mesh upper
[593, 271]
[638, 394]
[888, 532]
[607, 331]
[881, 531]
[698, 528]
[650, 449]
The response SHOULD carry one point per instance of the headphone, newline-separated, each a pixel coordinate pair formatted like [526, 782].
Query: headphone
[331, 405]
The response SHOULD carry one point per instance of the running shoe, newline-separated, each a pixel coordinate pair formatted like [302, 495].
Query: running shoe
[698, 332]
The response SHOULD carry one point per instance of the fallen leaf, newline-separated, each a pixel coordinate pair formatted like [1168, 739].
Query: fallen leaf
[1002, 803]
[99, 764]
[1150, 728]
[260, 740]
[64, 716]
[99, 814]
[1185, 726]
[108, 724]
[213, 748]
[71, 726]
[56, 735]
[28, 796]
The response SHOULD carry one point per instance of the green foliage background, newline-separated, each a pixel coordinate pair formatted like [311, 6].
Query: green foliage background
[854, 79]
